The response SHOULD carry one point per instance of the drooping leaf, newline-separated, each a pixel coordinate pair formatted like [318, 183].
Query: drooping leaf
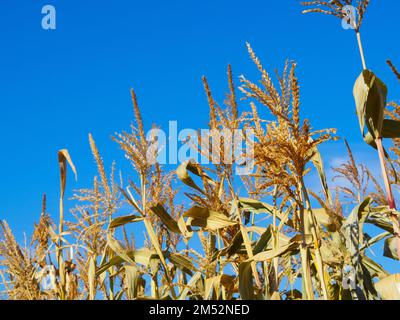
[390, 248]
[228, 282]
[156, 244]
[319, 165]
[166, 219]
[130, 199]
[246, 286]
[374, 268]
[184, 229]
[182, 262]
[208, 219]
[212, 288]
[235, 244]
[323, 218]
[63, 159]
[292, 246]
[389, 287]
[183, 175]
[374, 240]
[378, 216]
[263, 241]
[370, 97]
[232, 248]
[120, 221]
[118, 249]
[352, 230]
[131, 280]
[391, 129]
[191, 284]
[262, 207]
[145, 257]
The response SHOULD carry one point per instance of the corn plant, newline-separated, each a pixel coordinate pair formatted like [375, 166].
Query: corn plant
[210, 234]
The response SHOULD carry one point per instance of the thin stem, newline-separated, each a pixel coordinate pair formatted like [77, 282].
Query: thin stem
[385, 175]
[381, 152]
[389, 193]
[61, 268]
[360, 47]
[304, 254]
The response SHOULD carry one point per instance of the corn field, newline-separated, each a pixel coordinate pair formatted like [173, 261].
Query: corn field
[191, 235]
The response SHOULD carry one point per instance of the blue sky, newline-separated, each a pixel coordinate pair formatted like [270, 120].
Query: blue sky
[56, 86]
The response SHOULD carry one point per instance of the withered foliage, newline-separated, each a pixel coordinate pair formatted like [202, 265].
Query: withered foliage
[199, 232]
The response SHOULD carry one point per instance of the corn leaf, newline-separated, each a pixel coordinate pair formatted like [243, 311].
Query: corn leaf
[208, 219]
[145, 257]
[246, 286]
[389, 287]
[262, 207]
[291, 247]
[183, 175]
[131, 280]
[182, 262]
[165, 218]
[390, 248]
[370, 97]
[63, 159]
[120, 221]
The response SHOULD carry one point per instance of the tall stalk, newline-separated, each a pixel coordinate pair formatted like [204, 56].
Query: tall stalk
[382, 161]
[313, 224]
[60, 261]
[63, 159]
[305, 262]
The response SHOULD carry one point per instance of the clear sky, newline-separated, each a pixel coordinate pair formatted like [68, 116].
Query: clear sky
[56, 86]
